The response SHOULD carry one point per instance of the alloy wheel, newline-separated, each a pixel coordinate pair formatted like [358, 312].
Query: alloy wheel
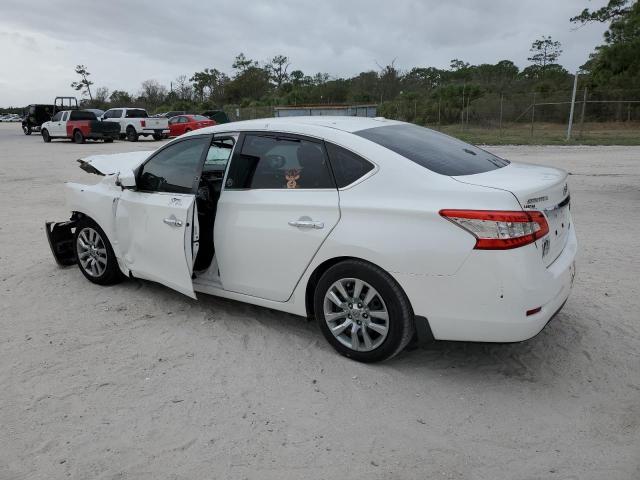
[92, 253]
[356, 314]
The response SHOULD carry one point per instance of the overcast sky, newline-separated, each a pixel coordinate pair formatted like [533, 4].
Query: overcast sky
[126, 42]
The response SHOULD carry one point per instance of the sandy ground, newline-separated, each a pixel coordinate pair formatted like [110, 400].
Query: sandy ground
[138, 382]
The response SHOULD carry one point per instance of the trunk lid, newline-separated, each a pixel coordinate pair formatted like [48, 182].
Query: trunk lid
[113, 163]
[536, 188]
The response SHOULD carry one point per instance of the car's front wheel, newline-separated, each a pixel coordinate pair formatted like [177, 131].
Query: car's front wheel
[363, 312]
[45, 136]
[94, 254]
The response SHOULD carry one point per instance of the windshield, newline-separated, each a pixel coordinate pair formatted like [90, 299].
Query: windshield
[433, 150]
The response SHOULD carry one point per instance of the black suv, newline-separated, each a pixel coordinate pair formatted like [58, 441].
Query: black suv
[35, 115]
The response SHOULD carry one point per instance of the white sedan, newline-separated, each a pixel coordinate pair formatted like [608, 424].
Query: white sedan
[384, 231]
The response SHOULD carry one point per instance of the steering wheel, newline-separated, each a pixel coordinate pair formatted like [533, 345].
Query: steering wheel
[275, 162]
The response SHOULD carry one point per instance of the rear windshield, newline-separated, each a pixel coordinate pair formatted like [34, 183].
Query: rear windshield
[200, 118]
[436, 151]
[82, 115]
[136, 113]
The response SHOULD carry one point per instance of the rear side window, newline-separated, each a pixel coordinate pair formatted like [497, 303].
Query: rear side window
[136, 113]
[347, 166]
[274, 162]
[81, 115]
[435, 151]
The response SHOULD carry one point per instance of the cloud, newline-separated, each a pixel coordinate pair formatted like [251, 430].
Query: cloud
[124, 42]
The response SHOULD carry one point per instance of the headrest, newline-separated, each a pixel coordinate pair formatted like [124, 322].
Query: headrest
[309, 155]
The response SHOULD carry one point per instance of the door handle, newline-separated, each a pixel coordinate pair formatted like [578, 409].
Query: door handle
[173, 221]
[306, 224]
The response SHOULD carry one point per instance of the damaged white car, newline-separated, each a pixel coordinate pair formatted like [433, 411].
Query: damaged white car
[382, 230]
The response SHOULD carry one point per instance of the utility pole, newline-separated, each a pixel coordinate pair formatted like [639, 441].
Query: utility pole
[573, 104]
[584, 104]
[533, 113]
[500, 121]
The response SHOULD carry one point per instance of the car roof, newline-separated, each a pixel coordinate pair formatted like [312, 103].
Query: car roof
[301, 124]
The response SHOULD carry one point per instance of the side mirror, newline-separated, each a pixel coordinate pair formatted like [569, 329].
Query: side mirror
[126, 179]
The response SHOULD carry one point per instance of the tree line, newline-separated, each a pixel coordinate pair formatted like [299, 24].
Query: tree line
[253, 83]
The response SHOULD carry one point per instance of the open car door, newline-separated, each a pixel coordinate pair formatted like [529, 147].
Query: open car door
[156, 223]
[155, 237]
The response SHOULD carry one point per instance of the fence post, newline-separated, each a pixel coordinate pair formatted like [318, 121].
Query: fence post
[439, 99]
[584, 104]
[500, 121]
[533, 113]
[573, 104]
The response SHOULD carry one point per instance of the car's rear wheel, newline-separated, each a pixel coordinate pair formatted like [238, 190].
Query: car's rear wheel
[362, 311]
[78, 137]
[132, 135]
[157, 136]
[108, 140]
[26, 129]
[45, 136]
[94, 254]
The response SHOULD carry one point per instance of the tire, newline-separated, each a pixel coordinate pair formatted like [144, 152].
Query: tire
[45, 136]
[78, 137]
[157, 137]
[94, 254]
[26, 129]
[132, 135]
[377, 339]
[108, 140]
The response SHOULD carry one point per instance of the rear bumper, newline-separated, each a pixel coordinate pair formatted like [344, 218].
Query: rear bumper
[103, 135]
[487, 299]
[155, 131]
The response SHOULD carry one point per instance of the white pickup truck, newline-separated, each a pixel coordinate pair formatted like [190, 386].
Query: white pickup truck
[135, 122]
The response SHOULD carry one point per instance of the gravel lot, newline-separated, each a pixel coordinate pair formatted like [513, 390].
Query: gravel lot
[136, 381]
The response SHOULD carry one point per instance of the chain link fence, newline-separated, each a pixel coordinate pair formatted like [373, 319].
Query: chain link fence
[599, 117]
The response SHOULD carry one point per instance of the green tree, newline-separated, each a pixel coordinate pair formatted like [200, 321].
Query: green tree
[278, 70]
[84, 84]
[545, 52]
[120, 98]
[617, 62]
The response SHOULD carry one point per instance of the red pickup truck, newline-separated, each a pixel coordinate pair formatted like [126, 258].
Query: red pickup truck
[79, 125]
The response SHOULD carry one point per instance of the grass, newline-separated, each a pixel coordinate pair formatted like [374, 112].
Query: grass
[619, 133]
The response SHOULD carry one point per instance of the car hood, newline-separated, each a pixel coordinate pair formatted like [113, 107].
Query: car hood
[113, 163]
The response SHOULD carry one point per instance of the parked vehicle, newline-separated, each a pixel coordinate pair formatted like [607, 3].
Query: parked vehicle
[79, 125]
[173, 113]
[96, 111]
[35, 115]
[10, 117]
[218, 116]
[381, 229]
[186, 123]
[135, 122]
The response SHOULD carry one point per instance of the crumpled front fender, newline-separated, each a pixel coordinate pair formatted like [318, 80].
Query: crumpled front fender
[60, 236]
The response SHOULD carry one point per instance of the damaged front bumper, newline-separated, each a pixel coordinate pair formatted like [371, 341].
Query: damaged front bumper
[60, 236]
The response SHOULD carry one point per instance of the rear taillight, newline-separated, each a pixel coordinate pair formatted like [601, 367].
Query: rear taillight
[500, 230]
[143, 123]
